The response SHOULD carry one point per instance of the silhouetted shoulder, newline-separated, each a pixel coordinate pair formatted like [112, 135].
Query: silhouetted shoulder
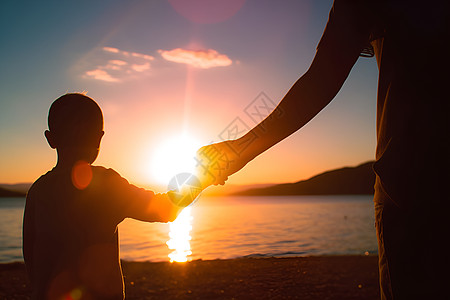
[42, 185]
[353, 24]
[107, 178]
[108, 173]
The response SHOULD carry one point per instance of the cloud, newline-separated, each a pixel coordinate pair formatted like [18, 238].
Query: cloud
[100, 74]
[140, 68]
[111, 49]
[111, 64]
[144, 56]
[115, 64]
[203, 59]
[127, 53]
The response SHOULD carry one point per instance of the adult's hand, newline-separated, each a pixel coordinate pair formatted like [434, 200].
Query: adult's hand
[216, 162]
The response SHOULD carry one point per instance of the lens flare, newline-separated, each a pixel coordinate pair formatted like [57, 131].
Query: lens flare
[180, 237]
[81, 174]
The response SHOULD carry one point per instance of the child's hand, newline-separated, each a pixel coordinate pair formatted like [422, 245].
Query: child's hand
[184, 189]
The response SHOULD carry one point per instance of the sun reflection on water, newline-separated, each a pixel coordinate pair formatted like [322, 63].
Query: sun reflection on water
[180, 237]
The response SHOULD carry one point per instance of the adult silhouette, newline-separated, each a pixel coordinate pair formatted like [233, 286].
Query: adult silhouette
[409, 40]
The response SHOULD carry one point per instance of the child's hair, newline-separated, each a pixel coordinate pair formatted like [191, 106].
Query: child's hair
[74, 118]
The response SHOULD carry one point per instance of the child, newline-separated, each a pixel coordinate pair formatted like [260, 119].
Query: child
[70, 238]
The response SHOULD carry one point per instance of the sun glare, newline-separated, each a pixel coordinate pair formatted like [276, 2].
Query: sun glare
[180, 238]
[173, 156]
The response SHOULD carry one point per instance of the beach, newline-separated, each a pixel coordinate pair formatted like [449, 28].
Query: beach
[313, 277]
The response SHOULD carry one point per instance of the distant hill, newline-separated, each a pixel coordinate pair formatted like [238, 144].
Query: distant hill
[357, 180]
[231, 189]
[9, 193]
[17, 187]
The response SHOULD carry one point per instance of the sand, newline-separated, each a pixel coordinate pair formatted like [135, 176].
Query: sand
[320, 277]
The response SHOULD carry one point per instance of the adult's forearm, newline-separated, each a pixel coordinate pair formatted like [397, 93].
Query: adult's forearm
[301, 104]
[307, 97]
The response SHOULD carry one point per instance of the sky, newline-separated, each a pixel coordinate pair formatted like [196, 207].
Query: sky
[169, 68]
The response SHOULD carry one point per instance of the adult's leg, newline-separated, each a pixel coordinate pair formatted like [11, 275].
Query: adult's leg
[412, 260]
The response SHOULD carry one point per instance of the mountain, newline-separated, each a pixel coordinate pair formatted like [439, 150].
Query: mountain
[9, 193]
[17, 187]
[357, 180]
[231, 189]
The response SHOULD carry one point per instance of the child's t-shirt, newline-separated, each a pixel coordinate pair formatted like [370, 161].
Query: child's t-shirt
[70, 237]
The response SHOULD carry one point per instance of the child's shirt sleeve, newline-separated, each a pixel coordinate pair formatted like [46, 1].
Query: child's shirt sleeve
[125, 200]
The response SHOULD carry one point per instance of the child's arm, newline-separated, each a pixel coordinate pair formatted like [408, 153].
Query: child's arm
[166, 207]
[154, 208]
[144, 205]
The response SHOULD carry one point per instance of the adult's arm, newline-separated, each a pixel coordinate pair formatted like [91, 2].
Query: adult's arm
[336, 54]
[306, 98]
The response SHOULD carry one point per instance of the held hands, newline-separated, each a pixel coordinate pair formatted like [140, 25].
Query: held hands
[215, 163]
[184, 188]
[218, 161]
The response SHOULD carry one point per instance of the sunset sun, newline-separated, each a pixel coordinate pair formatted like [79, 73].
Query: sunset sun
[173, 156]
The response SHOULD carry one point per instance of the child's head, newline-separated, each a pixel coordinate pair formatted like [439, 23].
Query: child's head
[75, 124]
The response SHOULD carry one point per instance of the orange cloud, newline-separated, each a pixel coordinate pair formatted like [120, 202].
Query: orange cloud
[114, 65]
[144, 56]
[141, 67]
[101, 75]
[127, 53]
[111, 49]
[203, 59]
[117, 62]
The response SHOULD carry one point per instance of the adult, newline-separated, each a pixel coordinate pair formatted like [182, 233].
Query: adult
[410, 42]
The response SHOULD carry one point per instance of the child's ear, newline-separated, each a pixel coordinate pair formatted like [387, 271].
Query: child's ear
[99, 138]
[50, 139]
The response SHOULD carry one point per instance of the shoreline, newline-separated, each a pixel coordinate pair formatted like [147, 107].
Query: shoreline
[310, 277]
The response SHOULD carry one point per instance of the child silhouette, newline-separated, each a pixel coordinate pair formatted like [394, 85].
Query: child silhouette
[70, 237]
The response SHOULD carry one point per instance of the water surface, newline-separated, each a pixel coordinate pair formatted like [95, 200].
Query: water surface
[228, 227]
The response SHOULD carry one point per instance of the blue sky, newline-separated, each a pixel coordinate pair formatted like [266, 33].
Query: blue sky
[158, 68]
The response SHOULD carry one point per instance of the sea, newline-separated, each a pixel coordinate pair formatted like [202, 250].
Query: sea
[235, 226]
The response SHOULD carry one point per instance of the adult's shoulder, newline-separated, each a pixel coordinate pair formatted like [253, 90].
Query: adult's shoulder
[350, 22]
